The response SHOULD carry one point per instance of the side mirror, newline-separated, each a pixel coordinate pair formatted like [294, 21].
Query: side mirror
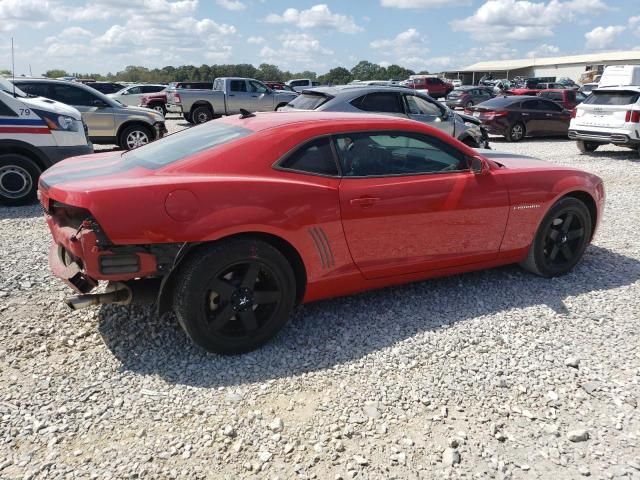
[126, 92]
[479, 166]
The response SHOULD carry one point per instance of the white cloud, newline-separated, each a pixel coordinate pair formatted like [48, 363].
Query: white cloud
[522, 19]
[601, 38]
[544, 50]
[298, 50]
[634, 25]
[420, 3]
[103, 9]
[318, 16]
[256, 40]
[15, 13]
[406, 43]
[231, 4]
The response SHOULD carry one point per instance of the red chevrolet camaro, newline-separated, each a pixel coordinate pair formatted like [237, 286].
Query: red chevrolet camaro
[231, 223]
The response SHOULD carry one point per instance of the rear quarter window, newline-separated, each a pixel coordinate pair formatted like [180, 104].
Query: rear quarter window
[618, 97]
[315, 157]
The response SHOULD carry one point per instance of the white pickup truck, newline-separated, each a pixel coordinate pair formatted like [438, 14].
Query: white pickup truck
[228, 96]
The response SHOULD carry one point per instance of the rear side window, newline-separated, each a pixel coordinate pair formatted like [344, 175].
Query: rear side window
[299, 83]
[379, 102]
[238, 86]
[608, 97]
[308, 101]
[184, 144]
[37, 89]
[314, 157]
[72, 95]
[419, 106]
[152, 88]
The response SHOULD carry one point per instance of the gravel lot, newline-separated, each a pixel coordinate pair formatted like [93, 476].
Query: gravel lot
[497, 374]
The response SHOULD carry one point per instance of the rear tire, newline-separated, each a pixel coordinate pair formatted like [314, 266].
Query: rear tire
[586, 147]
[561, 239]
[187, 117]
[18, 179]
[469, 104]
[201, 115]
[280, 106]
[516, 132]
[234, 296]
[135, 136]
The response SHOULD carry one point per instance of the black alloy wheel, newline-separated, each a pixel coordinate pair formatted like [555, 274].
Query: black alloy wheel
[234, 296]
[561, 239]
[516, 132]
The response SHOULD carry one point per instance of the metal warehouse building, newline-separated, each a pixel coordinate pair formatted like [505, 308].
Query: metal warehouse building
[572, 66]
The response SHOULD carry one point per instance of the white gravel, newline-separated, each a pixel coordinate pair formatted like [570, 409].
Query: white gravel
[496, 374]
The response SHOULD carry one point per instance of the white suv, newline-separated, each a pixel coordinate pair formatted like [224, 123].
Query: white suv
[608, 115]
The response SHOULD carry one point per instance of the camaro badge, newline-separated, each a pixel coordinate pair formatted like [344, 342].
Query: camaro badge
[526, 207]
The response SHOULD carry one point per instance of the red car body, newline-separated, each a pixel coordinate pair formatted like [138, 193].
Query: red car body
[348, 234]
[154, 100]
[436, 87]
[523, 91]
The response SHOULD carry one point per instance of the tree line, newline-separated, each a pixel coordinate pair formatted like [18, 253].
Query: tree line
[364, 70]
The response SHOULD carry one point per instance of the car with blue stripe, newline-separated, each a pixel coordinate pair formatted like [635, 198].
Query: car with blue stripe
[35, 133]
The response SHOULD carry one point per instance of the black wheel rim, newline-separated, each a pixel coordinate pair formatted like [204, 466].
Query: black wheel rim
[242, 299]
[564, 239]
[517, 132]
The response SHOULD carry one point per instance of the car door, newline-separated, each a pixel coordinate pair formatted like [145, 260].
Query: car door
[532, 117]
[410, 203]
[427, 111]
[262, 99]
[98, 115]
[556, 118]
[131, 96]
[238, 96]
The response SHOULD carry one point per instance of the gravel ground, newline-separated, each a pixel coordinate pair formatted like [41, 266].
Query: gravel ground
[496, 374]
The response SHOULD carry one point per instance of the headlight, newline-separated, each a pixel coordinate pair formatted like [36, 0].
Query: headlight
[56, 121]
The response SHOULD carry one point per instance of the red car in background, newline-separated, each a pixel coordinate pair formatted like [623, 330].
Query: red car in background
[566, 98]
[279, 86]
[436, 87]
[233, 222]
[156, 101]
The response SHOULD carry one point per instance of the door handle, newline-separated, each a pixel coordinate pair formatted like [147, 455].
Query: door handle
[548, 115]
[364, 202]
[525, 114]
[231, 95]
[254, 96]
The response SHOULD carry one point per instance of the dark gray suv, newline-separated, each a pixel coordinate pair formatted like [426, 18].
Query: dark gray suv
[468, 96]
[397, 101]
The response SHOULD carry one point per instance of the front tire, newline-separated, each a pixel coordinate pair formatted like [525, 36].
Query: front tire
[560, 240]
[586, 147]
[515, 133]
[201, 115]
[187, 117]
[18, 179]
[135, 136]
[469, 104]
[160, 108]
[234, 296]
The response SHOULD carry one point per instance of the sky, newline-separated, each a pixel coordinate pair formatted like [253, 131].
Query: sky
[100, 36]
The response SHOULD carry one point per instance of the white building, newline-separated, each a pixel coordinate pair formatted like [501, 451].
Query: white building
[572, 66]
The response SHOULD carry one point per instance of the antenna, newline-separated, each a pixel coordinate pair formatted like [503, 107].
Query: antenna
[13, 69]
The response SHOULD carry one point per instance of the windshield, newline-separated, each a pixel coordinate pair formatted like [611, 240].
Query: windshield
[7, 86]
[184, 144]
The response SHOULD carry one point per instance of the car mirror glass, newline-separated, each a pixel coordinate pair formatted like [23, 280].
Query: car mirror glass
[478, 166]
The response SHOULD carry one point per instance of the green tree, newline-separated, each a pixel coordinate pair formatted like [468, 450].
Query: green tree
[336, 76]
[266, 71]
[5, 73]
[366, 70]
[396, 72]
[55, 73]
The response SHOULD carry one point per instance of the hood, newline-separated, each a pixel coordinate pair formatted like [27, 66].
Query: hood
[515, 161]
[45, 104]
[145, 111]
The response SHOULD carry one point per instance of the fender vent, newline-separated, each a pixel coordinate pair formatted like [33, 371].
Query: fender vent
[322, 246]
[113, 264]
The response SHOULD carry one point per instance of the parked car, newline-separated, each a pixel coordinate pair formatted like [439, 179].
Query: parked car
[468, 96]
[158, 101]
[131, 95]
[109, 121]
[456, 83]
[551, 86]
[299, 84]
[608, 115]
[233, 223]
[105, 87]
[436, 87]
[587, 88]
[527, 89]
[566, 98]
[397, 101]
[35, 133]
[516, 117]
[280, 86]
[228, 96]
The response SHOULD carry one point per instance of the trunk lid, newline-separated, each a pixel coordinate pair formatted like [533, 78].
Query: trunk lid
[607, 108]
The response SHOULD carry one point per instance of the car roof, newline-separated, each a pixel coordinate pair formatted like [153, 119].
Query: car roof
[266, 120]
[343, 89]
